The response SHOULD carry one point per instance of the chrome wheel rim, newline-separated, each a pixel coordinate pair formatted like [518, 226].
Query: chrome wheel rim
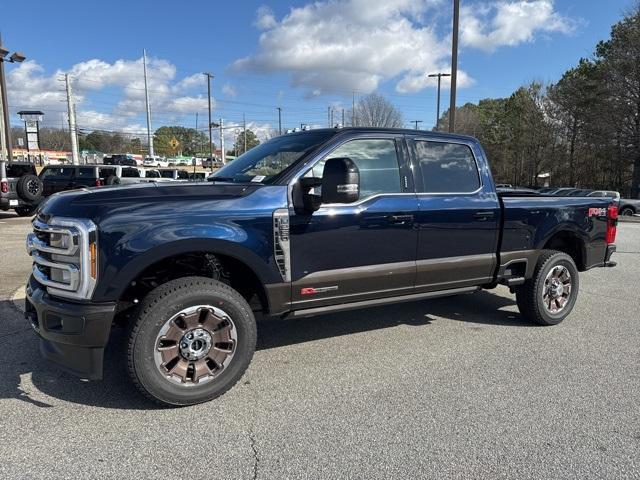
[195, 345]
[557, 289]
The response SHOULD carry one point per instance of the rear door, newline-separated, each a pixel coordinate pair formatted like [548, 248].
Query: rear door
[458, 217]
[85, 177]
[352, 252]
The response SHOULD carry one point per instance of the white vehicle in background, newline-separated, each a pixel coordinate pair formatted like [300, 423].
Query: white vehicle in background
[155, 161]
[119, 174]
[153, 175]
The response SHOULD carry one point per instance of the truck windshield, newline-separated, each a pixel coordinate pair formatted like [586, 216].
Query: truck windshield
[262, 164]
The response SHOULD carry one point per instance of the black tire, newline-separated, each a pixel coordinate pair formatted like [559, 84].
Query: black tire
[29, 188]
[112, 180]
[529, 296]
[627, 212]
[157, 309]
[25, 211]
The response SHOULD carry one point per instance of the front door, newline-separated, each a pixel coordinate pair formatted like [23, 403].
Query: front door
[351, 252]
[458, 219]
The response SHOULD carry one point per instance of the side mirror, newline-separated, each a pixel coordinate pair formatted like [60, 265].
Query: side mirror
[340, 181]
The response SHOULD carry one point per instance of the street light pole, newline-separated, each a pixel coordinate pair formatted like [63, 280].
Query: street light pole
[439, 75]
[15, 57]
[146, 98]
[279, 120]
[454, 66]
[209, 77]
[416, 123]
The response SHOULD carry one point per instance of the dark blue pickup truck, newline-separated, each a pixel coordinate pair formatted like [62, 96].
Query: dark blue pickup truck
[307, 223]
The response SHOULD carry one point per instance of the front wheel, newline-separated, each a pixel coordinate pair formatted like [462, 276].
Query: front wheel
[549, 296]
[192, 341]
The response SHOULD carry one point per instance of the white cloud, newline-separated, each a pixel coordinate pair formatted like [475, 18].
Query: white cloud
[229, 90]
[502, 23]
[265, 19]
[97, 83]
[342, 45]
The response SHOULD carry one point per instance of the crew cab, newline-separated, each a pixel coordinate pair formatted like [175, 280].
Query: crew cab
[306, 223]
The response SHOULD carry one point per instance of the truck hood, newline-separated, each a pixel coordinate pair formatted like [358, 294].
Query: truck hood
[96, 203]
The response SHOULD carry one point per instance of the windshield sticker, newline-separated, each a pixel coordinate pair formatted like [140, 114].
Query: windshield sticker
[258, 178]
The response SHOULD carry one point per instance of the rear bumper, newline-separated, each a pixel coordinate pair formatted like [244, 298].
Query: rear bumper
[72, 335]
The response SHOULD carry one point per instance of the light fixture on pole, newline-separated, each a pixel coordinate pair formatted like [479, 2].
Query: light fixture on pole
[439, 75]
[16, 57]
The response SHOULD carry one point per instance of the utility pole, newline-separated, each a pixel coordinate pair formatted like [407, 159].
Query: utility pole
[209, 77]
[329, 116]
[439, 75]
[146, 98]
[353, 109]
[3, 140]
[454, 66]
[343, 118]
[416, 122]
[244, 129]
[279, 120]
[73, 130]
[223, 154]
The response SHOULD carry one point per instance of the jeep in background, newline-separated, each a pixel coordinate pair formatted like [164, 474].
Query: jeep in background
[20, 187]
[306, 223]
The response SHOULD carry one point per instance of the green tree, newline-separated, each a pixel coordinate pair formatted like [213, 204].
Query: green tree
[190, 141]
[250, 142]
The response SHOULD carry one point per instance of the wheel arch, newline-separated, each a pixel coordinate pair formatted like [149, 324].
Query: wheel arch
[114, 288]
[569, 241]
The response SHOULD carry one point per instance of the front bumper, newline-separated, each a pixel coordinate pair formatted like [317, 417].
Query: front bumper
[72, 335]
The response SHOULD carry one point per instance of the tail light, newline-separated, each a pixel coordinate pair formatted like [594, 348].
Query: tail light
[98, 182]
[612, 224]
[4, 186]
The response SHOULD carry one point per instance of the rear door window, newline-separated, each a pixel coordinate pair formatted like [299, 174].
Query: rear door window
[183, 175]
[446, 167]
[166, 173]
[86, 172]
[130, 173]
[57, 172]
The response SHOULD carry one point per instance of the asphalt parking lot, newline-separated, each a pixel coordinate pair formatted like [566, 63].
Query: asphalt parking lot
[452, 388]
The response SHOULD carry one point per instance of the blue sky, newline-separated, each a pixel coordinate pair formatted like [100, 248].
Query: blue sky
[310, 57]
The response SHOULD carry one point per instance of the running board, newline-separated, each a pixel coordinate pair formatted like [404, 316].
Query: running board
[309, 312]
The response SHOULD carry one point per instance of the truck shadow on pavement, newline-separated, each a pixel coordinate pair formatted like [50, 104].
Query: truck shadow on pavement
[25, 376]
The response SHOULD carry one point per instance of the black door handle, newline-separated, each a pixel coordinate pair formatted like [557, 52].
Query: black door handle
[484, 215]
[400, 219]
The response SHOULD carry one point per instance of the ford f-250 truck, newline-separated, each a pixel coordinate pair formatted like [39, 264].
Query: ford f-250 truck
[306, 223]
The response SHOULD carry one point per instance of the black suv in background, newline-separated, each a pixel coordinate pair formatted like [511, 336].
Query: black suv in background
[20, 187]
[68, 177]
[120, 159]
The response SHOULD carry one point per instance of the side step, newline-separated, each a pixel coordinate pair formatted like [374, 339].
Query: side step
[308, 312]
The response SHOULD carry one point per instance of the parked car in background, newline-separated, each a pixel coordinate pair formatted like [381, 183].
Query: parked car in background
[546, 190]
[629, 206]
[605, 193]
[579, 192]
[561, 191]
[20, 187]
[155, 161]
[208, 163]
[58, 178]
[120, 159]
[174, 173]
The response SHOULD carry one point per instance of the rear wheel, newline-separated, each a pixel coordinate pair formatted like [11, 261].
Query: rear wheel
[549, 296]
[192, 341]
[627, 211]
